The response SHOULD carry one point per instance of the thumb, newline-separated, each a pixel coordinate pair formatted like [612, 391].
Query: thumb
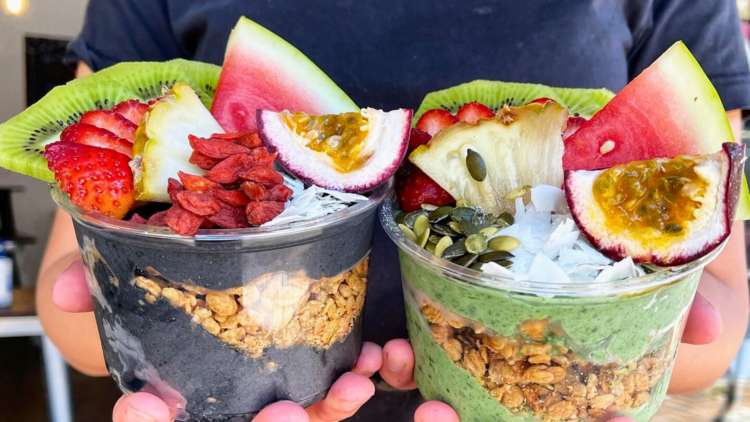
[71, 291]
[141, 407]
[704, 324]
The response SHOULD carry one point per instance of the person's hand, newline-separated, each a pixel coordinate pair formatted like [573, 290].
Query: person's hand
[704, 325]
[71, 294]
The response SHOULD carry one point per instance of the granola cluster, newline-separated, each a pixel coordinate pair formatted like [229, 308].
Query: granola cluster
[276, 309]
[532, 373]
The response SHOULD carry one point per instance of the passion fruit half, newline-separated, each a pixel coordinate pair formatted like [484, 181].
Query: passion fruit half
[664, 212]
[349, 152]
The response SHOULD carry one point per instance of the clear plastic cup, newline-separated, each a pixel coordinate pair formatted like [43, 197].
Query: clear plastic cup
[501, 350]
[221, 324]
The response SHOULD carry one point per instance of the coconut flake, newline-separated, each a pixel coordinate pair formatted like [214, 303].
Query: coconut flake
[620, 271]
[549, 199]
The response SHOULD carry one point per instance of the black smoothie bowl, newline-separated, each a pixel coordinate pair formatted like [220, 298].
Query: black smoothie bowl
[153, 344]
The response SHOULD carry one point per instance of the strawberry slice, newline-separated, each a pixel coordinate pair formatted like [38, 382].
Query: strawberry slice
[433, 121]
[542, 100]
[96, 179]
[415, 188]
[417, 138]
[96, 137]
[112, 121]
[132, 110]
[471, 112]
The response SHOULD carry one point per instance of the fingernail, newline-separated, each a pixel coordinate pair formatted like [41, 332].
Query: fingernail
[395, 365]
[349, 406]
[135, 415]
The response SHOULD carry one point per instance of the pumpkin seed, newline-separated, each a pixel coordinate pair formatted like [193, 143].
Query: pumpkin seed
[455, 227]
[673, 228]
[468, 227]
[399, 218]
[505, 219]
[434, 238]
[489, 231]
[466, 260]
[421, 223]
[440, 214]
[444, 230]
[408, 232]
[409, 218]
[462, 213]
[477, 266]
[517, 192]
[462, 203]
[503, 243]
[480, 219]
[476, 243]
[430, 247]
[442, 245]
[429, 207]
[495, 256]
[476, 166]
[505, 263]
[455, 250]
[422, 239]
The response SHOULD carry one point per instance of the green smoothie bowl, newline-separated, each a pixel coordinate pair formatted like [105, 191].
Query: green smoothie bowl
[497, 349]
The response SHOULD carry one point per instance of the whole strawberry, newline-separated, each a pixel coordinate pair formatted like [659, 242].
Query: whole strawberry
[96, 179]
[415, 188]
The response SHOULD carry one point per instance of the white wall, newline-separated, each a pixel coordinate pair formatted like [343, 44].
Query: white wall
[58, 18]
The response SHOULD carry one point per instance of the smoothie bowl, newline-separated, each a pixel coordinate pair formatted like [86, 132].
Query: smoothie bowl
[550, 250]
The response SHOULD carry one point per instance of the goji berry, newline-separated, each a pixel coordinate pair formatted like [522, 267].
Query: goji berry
[203, 161]
[138, 219]
[279, 193]
[207, 224]
[173, 188]
[195, 183]
[232, 197]
[216, 148]
[261, 157]
[254, 191]
[199, 203]
[158, 219]
[227, 171]
[250, 140]
[229, 217]
[182, 221]
[260, 212]
[265, 176]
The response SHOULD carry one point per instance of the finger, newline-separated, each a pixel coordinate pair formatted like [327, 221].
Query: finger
[71, 291]
[370, 360]
[283, 411]
[704, 324]
[398, 365]
[344, 398]
[141, 407]
[435, 411]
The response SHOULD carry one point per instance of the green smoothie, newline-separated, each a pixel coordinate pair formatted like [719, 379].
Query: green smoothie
[608, 355]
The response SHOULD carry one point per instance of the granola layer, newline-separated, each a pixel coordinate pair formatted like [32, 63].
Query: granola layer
[277, 309]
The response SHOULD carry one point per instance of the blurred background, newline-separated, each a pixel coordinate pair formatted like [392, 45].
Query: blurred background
[34, 382]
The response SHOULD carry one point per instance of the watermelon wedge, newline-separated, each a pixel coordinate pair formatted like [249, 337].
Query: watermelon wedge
[668, 110]
[262, 71]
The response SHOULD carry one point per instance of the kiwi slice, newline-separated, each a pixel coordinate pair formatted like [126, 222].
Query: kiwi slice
[23, 138]
[203, 75]
[495, 94]
[583, 102]
[148, 79]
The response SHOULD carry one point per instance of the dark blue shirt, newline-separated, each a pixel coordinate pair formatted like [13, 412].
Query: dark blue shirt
[390, 53]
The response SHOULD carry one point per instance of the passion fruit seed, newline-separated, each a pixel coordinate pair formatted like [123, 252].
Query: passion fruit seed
[651, 195]
[455, 250]
[517, 193]
[408, 232]
[440, 214]
[421, 224]
[489, 231]
[468, 227]
[476, 166]
[422, 239]
[503, 243]
[429, 207]
[462, 213]
[340, 136]
[442, 245]
[495, 256]
[466, 260]
[462, 203]
[476, 243]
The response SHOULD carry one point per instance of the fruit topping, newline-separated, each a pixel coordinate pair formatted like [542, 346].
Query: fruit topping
[474, 111]
[415, 188]
[483, 162]
[96, 179]
[162, 147]
[216, 147]
[263, 72]
[96, 137]
[111, 121]
[670, 109]
[350, 152]
[663, 211]
[416, 139]
[433, 121]
[132, 110]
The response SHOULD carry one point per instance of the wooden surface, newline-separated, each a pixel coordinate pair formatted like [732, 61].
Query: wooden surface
[23, 304]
